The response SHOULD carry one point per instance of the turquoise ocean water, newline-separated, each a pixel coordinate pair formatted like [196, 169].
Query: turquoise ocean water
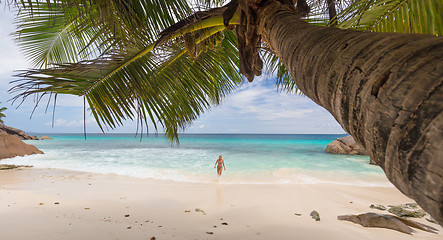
[249, 158]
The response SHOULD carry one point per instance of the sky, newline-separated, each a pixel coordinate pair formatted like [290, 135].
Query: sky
[256, 107]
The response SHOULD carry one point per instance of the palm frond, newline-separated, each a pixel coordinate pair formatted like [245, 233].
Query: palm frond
[128, 83]
[319, 11]
[2, 109]
[2, 115]
[46, 36]
[57, 32]
[210, 3]
[214, 22]
[284, 81]
[404, 16]
[165, 86]
[197, 21]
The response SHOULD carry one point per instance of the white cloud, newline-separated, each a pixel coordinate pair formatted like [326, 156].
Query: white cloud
[60, 122]
[258, 107]
[266, 104]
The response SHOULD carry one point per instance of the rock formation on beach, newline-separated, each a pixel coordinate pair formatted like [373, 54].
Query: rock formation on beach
[387, 221]
[346, 145]
[12, 146]
[44, 137]
[16, 132]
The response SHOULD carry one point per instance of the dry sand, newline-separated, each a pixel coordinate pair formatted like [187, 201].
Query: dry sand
[51, 204]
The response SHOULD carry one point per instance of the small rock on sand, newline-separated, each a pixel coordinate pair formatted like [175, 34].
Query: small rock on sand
[127, 215]
[200, 210]
[297, 214]
[403, 212]
[224, 223]
[412, 205]
[315, 215]
[377, 206]
[153, 238]
[210, 233]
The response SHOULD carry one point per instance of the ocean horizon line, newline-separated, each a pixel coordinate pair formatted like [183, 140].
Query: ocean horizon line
[150, 134]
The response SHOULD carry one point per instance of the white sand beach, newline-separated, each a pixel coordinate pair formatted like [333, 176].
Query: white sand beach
[46, 204]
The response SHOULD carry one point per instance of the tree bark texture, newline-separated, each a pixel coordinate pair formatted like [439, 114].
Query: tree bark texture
[385, 89]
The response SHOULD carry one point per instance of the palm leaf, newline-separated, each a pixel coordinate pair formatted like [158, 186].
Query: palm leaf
[214, 21]
[284, 81]
[2, 115]
[196, 21]
[141, 85]
[2, 109]
[169, 86]
[405, 16]
[209, 3]
[57, 32]
[47, 37]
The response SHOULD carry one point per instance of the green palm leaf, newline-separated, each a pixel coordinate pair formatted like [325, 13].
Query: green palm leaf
[56, 32]
[2, 115]
[405, 16]
[166, 86]
[284, 81]
[45, 36]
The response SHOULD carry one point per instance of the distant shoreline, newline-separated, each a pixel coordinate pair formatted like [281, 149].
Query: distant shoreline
[260, 159]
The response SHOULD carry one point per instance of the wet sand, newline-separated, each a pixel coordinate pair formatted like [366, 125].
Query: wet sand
[57, 204]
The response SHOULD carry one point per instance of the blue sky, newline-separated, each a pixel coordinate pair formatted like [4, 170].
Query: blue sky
[255, 107]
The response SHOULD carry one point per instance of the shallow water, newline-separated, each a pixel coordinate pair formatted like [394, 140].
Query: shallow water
[249, 158]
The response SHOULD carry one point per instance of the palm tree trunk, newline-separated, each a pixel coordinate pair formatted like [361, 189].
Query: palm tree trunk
[385, 89]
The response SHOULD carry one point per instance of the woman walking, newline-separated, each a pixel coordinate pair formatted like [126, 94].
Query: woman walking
[220, 163]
